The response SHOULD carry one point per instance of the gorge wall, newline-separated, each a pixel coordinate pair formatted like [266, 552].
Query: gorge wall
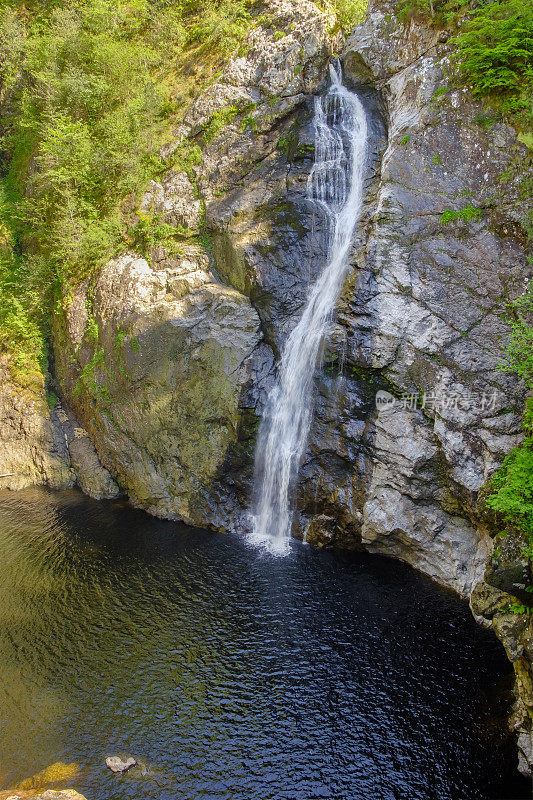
[164, 360]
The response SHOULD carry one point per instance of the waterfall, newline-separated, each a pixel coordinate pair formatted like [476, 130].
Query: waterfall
[336, 186]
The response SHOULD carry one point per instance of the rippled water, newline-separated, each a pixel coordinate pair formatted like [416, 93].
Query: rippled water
[232, 673]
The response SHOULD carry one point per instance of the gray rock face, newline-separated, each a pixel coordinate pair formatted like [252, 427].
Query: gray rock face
[158, 385]
[421, 316]
[175, 201]
[39, 445]
[33, 449]
[404, 514]
[168, 370]
[91, 476]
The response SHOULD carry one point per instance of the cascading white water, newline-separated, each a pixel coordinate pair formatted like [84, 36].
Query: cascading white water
[336, 184]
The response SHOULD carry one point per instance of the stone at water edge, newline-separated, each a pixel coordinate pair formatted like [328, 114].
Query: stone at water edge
[117, 764]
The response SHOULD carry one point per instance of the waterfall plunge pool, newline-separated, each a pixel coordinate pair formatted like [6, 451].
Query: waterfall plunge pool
[230, 673]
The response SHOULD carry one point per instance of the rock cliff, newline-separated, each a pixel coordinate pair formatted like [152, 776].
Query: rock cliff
[165, 357]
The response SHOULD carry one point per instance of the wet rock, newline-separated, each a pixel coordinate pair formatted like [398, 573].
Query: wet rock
[525, 752]
[118, 764]
[91, 476]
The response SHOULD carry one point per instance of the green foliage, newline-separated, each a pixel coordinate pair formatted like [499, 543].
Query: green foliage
[350, 12]
[217, 27]
[433, 10]
[513, 484]
[436, 159]
[218, 121]
[89, 379]
[406, 139]
[186, 156]
[20, 302]
[518, 608]
[151, 231]
[513, 488]
[90, 90]
[89, 114]
[520, 349]
[468, 214]
[52, 399]
[495, 53]
[12, 46]
[493, 47]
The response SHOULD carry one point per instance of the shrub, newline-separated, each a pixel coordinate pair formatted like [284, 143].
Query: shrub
[513, 488]
[495, 53]
[513, 483]
[350, 12]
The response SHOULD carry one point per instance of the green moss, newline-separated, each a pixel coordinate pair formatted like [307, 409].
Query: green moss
[406, 139]
[91, 332]
[52, 399]
[527, 139]
[468, 214]
[440, 91]
[484, 121]
[88, 382]
[219, 120]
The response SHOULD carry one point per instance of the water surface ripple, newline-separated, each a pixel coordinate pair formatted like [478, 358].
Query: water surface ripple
[232, 673]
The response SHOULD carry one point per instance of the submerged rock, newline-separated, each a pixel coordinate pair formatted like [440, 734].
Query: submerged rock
[57, 773]
[118, 764]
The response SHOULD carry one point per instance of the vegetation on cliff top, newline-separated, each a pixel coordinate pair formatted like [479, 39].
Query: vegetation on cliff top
[89, 91]
[493, 48]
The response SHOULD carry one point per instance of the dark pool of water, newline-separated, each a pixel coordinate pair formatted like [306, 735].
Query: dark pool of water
[232, 673]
